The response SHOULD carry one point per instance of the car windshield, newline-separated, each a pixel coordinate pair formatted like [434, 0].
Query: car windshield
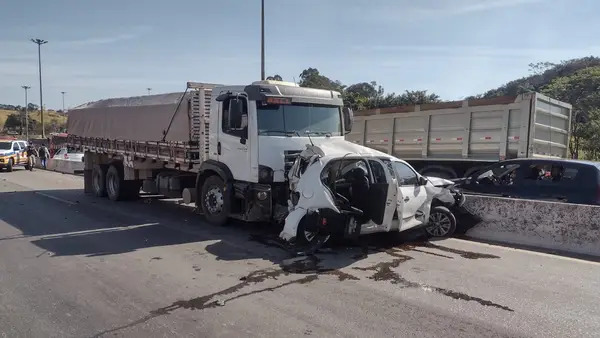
[299, 120]
[5, 145]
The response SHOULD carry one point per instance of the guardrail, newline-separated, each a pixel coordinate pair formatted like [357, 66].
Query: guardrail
[565, 227]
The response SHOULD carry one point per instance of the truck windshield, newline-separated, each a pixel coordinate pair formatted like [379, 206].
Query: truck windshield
[297, 119]
[5, 145]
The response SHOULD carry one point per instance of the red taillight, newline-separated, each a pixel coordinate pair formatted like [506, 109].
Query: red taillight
[324, 221]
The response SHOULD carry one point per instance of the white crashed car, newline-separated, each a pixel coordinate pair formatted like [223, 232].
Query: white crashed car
[354, 194]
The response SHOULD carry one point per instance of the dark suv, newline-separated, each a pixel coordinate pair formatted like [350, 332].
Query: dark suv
[570, 181]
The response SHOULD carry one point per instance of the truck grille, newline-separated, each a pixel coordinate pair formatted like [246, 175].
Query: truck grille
[289, 158]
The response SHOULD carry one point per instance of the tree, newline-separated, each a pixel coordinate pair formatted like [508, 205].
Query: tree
[13, 122]
[313, 79]
[582, 90]
[32, 106]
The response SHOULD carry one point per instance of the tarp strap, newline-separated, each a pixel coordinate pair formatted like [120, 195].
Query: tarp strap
[165, 132]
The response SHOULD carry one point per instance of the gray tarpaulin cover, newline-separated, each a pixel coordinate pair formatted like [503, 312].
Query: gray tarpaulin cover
[141, 118]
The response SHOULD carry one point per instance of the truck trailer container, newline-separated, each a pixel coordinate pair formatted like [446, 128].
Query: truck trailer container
[455, 139]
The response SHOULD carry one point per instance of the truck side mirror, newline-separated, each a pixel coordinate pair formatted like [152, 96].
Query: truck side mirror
[348, 119]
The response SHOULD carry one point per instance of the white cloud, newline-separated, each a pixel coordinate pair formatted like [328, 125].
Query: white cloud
[411, 11]
[458, 51]
[133, 34]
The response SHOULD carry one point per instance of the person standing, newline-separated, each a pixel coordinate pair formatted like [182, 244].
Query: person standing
[44, 155]
[31, 155]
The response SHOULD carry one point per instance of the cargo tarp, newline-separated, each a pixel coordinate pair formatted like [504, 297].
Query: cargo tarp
[142, 118]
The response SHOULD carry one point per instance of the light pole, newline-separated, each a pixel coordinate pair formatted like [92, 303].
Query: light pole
[26, 113]
[262, 39]
[149, 89]
[63, 97]
[40, 42]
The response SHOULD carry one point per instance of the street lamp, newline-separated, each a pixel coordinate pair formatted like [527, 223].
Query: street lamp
[63, 99]
[262, 40]
[26, 113]
[40, 42]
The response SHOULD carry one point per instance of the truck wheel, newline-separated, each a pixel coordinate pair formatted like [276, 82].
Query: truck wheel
[99, 180]
[442, 222]
[9, 167]
[215, 200]
[115, 187]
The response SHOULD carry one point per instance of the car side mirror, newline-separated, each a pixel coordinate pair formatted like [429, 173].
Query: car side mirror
[348, 119]
[422, 180]
[243, 140]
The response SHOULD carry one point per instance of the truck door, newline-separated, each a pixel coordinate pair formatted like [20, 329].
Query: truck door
[233, 148]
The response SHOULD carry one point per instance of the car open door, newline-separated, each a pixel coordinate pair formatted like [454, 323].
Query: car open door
[382, 195]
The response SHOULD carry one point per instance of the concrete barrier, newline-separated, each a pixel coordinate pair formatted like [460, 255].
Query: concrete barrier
[551, 225]
[63, 166]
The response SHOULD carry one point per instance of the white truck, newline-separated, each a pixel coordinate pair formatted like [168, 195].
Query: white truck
[455, 139]
[226, 148]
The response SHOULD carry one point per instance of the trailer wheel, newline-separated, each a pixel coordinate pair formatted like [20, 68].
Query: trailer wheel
[215, 200]
[9, 167]
[115, 186]
[442, 222]
[99, 180]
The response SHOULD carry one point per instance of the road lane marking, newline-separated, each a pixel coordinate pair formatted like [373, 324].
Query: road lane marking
[94, 231]
[537, 253]
[55, 198]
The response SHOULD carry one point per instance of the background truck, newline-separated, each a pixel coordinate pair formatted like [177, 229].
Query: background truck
[455, 139]
[226, 148]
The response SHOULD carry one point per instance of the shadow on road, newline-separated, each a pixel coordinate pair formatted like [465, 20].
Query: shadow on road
[68, 222]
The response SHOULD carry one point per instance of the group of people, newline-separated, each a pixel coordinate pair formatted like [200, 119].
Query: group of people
[42, 153]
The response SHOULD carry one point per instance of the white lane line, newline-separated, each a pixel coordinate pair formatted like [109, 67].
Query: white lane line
[94, 231]
[55, 198]
[537, 253]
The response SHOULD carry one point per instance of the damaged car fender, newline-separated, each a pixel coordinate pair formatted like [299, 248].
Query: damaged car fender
[309, 195]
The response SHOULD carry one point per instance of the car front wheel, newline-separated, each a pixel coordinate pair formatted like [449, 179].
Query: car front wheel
[442, 223]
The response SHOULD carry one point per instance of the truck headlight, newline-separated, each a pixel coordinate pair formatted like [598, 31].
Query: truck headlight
[265, 174]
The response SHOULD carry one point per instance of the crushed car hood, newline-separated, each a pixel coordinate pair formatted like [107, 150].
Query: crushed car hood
[440, 182]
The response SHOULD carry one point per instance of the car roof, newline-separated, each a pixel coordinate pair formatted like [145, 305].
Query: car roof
[556, 160]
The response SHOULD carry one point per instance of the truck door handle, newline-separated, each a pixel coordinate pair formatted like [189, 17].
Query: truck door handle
[219, 148]
[406, 199]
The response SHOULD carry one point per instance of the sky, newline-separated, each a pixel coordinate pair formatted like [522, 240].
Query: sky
[118, 48]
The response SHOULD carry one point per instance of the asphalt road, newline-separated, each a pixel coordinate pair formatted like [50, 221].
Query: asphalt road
[75, 266]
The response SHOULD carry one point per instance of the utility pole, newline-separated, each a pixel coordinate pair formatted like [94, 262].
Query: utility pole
[63, 99]
[26, 113]
[40, 42]
[149, 90]
[262, 40]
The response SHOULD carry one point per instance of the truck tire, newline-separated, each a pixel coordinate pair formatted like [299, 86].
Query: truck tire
[99, 180]
[442, 223]
[9, 166]
[215, 200]
[115, 187]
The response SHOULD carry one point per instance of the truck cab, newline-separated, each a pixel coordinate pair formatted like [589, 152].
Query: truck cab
[256, 131]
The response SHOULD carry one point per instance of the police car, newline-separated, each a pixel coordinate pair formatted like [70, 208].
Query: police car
[13, 153]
